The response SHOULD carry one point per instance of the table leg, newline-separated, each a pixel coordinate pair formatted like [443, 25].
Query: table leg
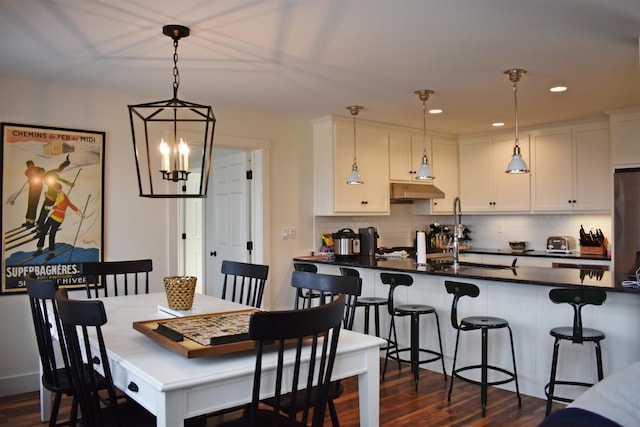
[45, 401]
[369, 390]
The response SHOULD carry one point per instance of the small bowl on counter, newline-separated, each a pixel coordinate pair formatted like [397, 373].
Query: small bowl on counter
[518, 246]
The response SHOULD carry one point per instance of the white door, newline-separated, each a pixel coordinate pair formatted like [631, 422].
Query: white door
[192, 236]
[227, 225]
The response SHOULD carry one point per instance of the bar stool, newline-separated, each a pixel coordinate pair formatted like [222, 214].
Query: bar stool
[484, 323]
[414, 311]
[577, 334]
[367, 302]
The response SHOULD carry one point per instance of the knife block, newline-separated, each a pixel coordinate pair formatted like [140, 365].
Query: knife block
[595, 250]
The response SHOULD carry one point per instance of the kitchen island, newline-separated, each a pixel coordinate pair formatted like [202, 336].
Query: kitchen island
[518, 294]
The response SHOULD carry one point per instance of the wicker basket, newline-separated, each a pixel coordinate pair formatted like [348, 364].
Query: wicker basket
[180, 291]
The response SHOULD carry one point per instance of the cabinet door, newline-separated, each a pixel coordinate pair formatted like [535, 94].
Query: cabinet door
[476, 188]
[375, 155]
[593, 177]
[400, 162]
[552, 170]
[511, 192]
[445, 169]
[348, 198]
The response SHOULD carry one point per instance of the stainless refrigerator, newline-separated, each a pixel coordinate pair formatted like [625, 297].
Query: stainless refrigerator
[626, 223]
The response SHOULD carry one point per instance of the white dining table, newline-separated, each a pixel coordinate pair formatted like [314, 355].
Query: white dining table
[175, 388]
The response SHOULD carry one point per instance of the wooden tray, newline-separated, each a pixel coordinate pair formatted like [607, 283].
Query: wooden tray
[190, 348]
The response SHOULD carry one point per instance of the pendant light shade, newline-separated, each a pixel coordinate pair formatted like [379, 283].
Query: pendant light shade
[517, 163]
[172, 140]
[354, 176]
[425, 171]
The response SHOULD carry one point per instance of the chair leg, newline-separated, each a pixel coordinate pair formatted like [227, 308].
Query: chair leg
[515, 372]
[377, 319]
[73, 414]
[386, 356]
[444, 370]
[453, 369]
[484, 371]
[53, 417]
[334, 414]
[366, 319]
[599, 360]
[415, 345]
[552, 379]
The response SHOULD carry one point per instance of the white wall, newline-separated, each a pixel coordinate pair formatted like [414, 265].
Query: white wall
[138, 227]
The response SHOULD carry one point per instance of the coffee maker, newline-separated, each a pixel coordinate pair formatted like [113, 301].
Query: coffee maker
[368, 241]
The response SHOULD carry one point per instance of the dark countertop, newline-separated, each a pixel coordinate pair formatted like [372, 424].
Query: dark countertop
[575, 256]
[542, 276]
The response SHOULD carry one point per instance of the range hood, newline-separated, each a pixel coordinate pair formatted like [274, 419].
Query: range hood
[407, 192]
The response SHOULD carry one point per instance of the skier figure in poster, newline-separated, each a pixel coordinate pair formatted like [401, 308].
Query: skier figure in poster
[50, 179]
[35, 177]
[53, 222]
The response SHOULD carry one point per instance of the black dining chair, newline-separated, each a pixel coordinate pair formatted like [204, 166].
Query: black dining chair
[117, 277]
[243, 282]
[316, 328]
[328, 288]
[53, 355]
[81, 319]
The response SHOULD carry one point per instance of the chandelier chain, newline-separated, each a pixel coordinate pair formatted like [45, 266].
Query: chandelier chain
[176, 73]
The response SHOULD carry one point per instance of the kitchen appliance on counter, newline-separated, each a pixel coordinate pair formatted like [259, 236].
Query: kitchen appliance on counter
[368, 241]
[346, 243]
[561, 244]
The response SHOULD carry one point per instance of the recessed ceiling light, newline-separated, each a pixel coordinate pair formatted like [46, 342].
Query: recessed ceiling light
[497, 124]
[558, 89]
[435, 111]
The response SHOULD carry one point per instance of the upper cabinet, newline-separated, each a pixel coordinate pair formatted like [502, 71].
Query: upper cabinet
[333, 151]
[405, 155]
[484, 185]
[571, 169]
[444, 163]
[625, 133]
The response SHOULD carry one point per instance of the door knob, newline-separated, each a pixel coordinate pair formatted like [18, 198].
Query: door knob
[214, 253]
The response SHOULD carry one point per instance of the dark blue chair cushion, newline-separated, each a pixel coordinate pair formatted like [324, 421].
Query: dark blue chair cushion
[576, 417]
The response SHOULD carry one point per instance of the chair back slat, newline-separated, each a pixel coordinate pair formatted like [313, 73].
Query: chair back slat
[114, 277]
[244, 282]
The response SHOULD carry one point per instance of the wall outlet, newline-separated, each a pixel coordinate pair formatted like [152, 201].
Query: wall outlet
[292, 232]
[499, 229]
[285, 233]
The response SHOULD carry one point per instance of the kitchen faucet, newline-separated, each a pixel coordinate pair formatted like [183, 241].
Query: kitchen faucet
[457, 220]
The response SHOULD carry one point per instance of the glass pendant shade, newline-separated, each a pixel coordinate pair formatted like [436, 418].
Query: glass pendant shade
[425, 171]
[354, 176]
[517, 163]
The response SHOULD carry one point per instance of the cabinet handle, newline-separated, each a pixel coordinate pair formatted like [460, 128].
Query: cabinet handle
[133, 387]
[573, 201]
[364, 202]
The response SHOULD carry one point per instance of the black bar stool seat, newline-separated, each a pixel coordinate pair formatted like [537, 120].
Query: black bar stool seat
[577, 334]
[484, 324]
[394, 351]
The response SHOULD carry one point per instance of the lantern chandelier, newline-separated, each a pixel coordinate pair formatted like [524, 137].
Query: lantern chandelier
[172, 140]
[517, 163]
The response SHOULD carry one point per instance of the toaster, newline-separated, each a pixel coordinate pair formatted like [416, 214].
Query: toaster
[561, 244]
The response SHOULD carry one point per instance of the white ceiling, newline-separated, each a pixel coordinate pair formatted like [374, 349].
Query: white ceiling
[312, 58]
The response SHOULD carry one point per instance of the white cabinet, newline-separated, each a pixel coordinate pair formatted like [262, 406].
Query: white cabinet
[625, 133]
[571, 169]
[333, 158]
[445, 169]
[405, 155]
[484, 185]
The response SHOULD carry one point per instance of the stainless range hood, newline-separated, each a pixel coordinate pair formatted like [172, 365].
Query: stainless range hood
[405, 193]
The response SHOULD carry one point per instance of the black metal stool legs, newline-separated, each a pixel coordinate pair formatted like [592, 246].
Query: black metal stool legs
[552, 379]
[415, 344]
[515, 371]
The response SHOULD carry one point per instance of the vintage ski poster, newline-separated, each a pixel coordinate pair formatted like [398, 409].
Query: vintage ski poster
[52, 203]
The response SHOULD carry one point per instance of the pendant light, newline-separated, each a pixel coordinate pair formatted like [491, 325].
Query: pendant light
[517, 163]
[354, 176]
[172, 140]
[425, 169]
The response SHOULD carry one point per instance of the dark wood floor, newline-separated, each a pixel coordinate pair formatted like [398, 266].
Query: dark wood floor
[400, 405]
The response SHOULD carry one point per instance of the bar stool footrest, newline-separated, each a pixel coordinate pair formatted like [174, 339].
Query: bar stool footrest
[395, 355]
[511, 375]
[569, 383]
